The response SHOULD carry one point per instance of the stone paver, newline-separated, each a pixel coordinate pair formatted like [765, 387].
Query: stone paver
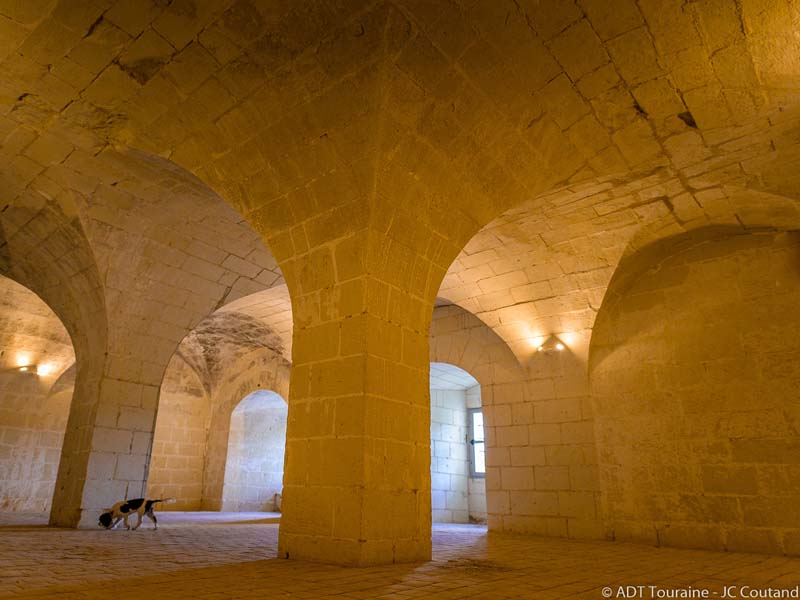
[233, 555]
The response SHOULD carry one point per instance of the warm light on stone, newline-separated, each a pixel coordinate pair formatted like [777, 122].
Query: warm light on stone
[274, 256]
[44, 370]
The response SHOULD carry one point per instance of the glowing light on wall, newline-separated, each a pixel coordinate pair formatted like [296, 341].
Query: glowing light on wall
[537, 342]
[44, 370]
[551, 344]
[568, 338]
[25, 365]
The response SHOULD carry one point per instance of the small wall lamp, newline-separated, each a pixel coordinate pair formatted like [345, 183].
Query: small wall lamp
[41, 370]
[552, 344]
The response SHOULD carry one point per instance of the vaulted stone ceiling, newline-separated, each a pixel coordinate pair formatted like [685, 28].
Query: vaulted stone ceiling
[543, 268]
[441, 114]
[423, 120]
[32, 336]
[420, 120]
[508, 156]
[273, 308]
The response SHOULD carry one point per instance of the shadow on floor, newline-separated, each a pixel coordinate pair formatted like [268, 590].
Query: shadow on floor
[11, 522]
[253, 521]
[276, 577]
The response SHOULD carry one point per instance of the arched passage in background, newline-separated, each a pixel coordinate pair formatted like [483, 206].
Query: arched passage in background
[537, 276]
[36, 356]
[694, 375]
[179, 440]
[458, 448]
[256, 448]
[237, 349]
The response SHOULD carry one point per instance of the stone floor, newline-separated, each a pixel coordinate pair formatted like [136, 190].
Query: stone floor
[232, 555]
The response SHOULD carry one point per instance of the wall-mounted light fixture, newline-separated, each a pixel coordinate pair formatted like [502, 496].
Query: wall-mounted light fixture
[550, 345]
[40, 370]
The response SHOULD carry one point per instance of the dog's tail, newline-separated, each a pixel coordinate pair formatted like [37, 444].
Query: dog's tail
[165, 500]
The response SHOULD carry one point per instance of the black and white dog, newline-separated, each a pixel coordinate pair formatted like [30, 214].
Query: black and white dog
[122, 510]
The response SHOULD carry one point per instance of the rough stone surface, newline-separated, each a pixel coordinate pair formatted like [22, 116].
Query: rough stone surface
[456, 497]
[234, 555]
[33, 411]
[256, 442]
[694, 389]
[297, 186]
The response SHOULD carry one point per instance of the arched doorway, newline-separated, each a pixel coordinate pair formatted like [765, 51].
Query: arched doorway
[458, 448]
[256, 447]
[223, 359]
[36, 385]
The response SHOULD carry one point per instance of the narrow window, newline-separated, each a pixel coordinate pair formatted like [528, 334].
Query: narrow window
[477, 452]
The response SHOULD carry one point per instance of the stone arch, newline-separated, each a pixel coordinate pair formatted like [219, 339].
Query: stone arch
[175, 270]
[44, 247]
[239, 348]
[736, 208]
[541, 473]
[368, 160]
[65, 381]
[37, 374]
[541, 272]
[257, 370]
[158, 274]
[253, 479]
[694, 421]
[461, 339]
[179, 439]
[458, 491]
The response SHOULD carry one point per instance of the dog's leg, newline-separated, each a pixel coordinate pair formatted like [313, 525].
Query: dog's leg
[116, 522]
[152, 516]
[139, 522]
[125, 521]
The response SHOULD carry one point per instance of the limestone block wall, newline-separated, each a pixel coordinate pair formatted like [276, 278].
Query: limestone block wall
[449, 457]
[551, 439]
[31, 435]
[476, 485]
[262, 369]
[695, 368]
[33, 406]
[179, 445]
[190, 449]
[256, 443]
[43, 247]
[541, 473]
[131, 253]
[455, 496]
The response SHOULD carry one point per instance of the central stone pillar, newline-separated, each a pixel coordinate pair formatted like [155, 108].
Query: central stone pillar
[357, 467]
